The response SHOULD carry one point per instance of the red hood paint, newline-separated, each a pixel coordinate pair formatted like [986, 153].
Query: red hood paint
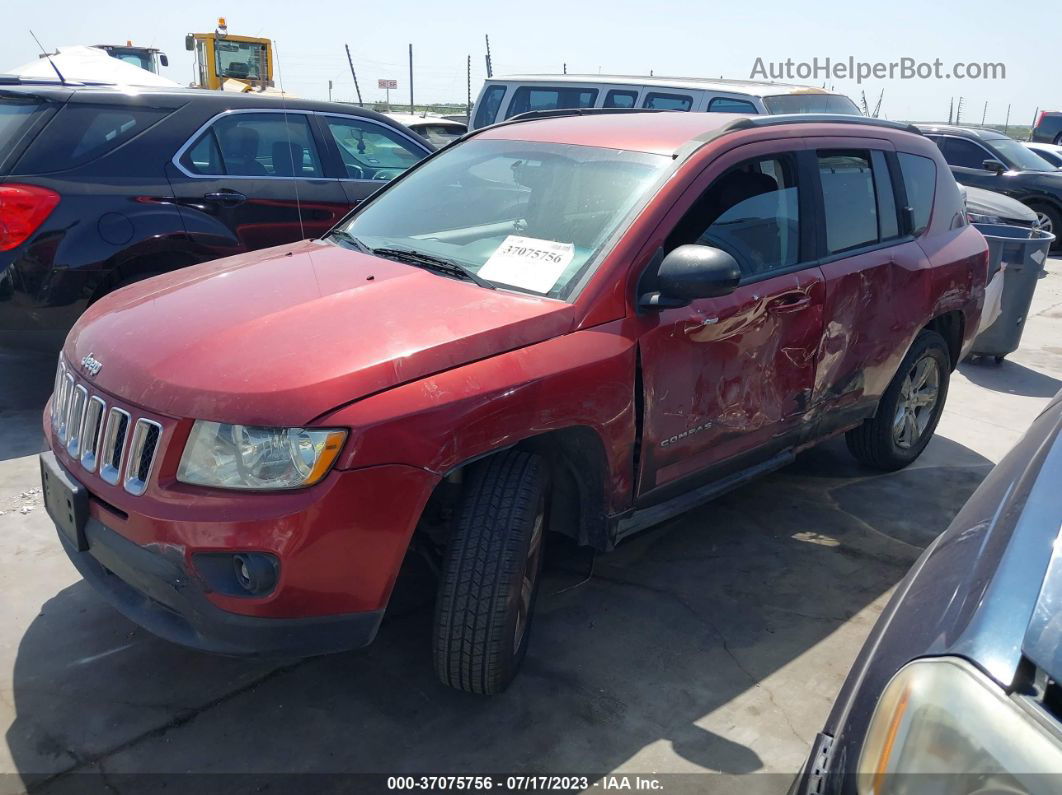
[281, 336]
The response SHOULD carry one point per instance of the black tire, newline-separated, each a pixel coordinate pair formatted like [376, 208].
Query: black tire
[875, 442]
[489, 577]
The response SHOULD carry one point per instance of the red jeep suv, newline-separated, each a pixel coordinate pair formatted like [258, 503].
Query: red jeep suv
[577, 324]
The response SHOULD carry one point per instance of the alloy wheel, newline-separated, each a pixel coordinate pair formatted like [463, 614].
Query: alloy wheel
[917, 403]
[1046, 224]
[527, 585]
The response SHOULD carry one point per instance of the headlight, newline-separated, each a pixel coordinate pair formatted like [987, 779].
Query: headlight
[977, 218]
[942, 726]
[250, 457]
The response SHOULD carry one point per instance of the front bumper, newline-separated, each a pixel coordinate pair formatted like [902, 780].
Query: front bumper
[156, 591]
[339, 547]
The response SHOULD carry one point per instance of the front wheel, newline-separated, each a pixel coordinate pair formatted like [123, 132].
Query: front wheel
[909, 410]
[489, 578]
[1050, 220]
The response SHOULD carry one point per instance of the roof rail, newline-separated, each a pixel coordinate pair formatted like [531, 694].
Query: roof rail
[19, 80]
[832, 118]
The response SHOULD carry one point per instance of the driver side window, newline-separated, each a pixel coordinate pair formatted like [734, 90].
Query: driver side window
[752, 212]
[371, 151]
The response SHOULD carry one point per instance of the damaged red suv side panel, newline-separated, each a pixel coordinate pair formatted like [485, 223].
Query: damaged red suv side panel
[581, 325]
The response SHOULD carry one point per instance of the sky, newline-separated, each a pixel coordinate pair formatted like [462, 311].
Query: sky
[670, 37]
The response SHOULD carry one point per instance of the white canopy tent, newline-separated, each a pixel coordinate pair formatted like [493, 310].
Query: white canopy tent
[90, 65]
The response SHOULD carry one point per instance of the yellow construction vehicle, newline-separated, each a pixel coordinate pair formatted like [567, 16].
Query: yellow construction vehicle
[221, 57]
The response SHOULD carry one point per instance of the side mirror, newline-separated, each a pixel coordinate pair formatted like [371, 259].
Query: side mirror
[690, 272]
[189, 42]
[163, 59]
[993, 165]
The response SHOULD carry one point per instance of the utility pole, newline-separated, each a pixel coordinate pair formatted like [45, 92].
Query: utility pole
[984, 115]
[565, 67]
[411, 79]
[951, 109]
[1006, 123]
[490, 66]
[958, 110]
[877, 108]
[468, 101]
[329, 90]
[352, 74]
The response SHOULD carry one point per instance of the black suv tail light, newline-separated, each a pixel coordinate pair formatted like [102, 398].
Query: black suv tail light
[23, 209]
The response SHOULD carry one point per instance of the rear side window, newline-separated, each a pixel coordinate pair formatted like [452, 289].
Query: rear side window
[658, 101]
[488, 106]
[620, 99]
[16, 117]
[81, 133]
[255, 145]
[920, 182]
[528, 98]
[730, 105]
[849, 199]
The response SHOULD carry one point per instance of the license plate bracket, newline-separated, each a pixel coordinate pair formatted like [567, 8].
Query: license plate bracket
[65, 499]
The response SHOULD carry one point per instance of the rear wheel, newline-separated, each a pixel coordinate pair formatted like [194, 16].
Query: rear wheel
[909, 410]
[490, 572]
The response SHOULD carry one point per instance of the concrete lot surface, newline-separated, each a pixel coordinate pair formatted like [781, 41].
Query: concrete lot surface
[715, 642]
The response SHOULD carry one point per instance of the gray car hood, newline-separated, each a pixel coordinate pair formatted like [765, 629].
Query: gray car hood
[987, 202]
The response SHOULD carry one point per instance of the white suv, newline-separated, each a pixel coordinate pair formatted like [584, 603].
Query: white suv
[505, 97]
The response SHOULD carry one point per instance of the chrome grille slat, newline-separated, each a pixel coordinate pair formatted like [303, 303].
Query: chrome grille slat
[91, 429]
[65, 394]
[113, 448]
[102, 438]
[75, 418]
[141, 455]
[60, 371]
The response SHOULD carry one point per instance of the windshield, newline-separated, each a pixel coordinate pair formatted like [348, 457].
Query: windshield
[240, 59]
[811, 103]
[533, 216]
[138, 58]
[1018, 157]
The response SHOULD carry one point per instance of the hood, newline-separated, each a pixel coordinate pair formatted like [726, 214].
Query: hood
[987, 202]
[281, 336]
[1008, 597]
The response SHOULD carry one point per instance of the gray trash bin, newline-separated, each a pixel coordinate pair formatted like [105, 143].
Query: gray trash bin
[1025, 252]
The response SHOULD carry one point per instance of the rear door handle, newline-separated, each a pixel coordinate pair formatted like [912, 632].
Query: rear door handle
[788, 302]
[229, 198]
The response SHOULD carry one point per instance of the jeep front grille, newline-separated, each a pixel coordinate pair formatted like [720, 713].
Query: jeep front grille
[102, 436]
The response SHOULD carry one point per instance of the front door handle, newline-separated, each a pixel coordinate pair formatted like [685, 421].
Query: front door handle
[229, 198]
[788, 302]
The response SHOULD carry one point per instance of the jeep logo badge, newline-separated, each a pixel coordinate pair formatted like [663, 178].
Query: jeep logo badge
[91, 365]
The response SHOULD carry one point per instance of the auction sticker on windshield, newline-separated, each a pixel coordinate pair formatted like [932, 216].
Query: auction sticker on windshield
[528, 263]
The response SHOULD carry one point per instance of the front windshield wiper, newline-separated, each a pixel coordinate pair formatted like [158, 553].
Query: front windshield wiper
[346, 237]
[431, 262]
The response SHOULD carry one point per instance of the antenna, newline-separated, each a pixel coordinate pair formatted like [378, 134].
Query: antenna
[291, 156]
[49, 57]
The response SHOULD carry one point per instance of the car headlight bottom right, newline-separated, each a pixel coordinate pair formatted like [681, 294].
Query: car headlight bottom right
[942, 726]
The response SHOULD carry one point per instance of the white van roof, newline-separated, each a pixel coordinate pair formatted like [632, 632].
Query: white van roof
[756, 88]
